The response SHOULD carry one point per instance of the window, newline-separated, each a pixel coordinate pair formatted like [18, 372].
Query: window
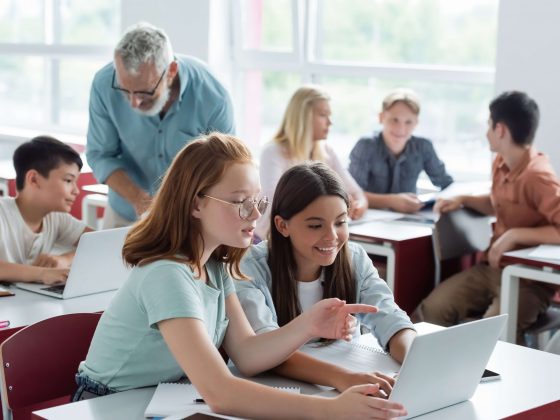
[49, 53]
[360, 50]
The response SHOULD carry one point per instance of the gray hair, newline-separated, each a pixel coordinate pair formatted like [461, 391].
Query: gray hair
[144, 43]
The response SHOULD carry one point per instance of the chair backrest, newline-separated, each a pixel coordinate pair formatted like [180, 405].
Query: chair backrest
[459, 233]
[39, 362]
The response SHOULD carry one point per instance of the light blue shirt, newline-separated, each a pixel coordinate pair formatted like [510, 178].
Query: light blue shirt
[120, 138]
[256, 298]
[128, 350]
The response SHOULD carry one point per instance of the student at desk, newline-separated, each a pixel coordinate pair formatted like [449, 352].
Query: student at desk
[309, 258]
[38, 218]
[525, 198]
[388, 164]
[179, 303]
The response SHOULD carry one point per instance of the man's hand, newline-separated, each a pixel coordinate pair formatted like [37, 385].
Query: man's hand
[504, 243]
[405, 203]
[141, 203]
[448, 205]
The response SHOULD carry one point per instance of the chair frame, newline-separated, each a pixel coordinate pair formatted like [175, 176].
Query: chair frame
[47, 352]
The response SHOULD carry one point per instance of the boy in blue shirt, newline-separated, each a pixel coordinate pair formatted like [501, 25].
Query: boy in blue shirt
[388, 164]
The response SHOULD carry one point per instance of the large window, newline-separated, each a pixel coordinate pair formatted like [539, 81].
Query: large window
[359, 50]
[49, 52]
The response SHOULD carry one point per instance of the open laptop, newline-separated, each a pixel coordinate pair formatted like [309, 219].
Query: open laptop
[97, 266]
[444, 367]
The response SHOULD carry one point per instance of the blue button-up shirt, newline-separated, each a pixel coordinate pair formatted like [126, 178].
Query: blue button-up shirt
[378, 171]
[120, 138]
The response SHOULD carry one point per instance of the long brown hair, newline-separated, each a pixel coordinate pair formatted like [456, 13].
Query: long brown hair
[169, 231]
[298, 187]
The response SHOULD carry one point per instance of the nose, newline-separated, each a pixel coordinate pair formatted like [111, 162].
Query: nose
[331, 234]
[135, 101]
[76, 190]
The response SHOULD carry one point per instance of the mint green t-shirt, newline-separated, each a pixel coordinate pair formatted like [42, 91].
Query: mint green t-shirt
[127, 350]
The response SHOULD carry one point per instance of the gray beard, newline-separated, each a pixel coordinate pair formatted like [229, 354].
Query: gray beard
[158, 105]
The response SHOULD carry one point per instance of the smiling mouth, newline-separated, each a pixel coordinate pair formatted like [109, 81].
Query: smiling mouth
[326, 250]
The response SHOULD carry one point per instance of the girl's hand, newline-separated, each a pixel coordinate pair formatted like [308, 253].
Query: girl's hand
[331, 318]
[349, 379]
[357, 403]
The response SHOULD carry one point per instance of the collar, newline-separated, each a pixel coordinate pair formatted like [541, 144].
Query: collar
[387, 153]
[512, 173]
[183, 79]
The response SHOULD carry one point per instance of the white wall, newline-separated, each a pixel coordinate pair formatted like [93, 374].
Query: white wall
[528, 59]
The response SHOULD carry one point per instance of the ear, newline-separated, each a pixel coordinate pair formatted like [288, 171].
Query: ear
[197, 208]
[381, 117]
[281, 226]
[33, 179]
[501, 130]
[173, 70]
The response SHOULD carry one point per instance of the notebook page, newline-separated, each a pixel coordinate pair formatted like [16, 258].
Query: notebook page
[353, 356]
[178, 397]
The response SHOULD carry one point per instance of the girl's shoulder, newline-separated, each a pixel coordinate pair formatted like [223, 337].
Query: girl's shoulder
[257, 254]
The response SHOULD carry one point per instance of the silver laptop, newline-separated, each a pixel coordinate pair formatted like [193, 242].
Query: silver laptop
[444, 367]
[96, 267]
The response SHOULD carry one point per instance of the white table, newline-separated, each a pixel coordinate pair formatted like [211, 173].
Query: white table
[530, 380]
[526, 267]
[26, 307]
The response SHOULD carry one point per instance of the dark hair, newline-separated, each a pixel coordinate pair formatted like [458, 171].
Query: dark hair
[298, 187]
[519, 113]
[42, 153]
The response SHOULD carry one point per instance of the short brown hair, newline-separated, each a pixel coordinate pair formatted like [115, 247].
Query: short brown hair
[406, 96]
[169, 231]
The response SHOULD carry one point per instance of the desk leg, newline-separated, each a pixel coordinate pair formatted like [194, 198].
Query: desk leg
[384, 251]
[508, 302]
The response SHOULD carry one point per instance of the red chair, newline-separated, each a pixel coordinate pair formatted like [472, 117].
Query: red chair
[39, 363]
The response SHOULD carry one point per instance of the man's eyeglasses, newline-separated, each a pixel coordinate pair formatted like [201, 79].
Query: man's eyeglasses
[246, 206]
[139, 93]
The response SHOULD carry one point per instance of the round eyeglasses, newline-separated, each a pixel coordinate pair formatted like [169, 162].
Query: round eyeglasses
[246, 206]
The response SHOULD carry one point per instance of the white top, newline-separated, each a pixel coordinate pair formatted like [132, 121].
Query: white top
[20, 245]
[310, 292]
[274, 163]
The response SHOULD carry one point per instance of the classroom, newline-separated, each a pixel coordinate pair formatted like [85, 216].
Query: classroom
[279, 209]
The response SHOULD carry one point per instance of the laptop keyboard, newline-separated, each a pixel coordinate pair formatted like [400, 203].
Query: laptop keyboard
[55, 289]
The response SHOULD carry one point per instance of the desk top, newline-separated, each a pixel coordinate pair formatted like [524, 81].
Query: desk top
[388, 230]
[530, 379]
[26, 307]
[97, 188]
[522, 256]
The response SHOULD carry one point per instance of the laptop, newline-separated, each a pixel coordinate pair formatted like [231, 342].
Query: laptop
[444, 367]
[97, 267]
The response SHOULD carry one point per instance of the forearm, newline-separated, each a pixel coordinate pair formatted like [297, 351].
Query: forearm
[379, 201]
[480, 203]
[19, 272]
[66, 259]
[266, 351]
[303, 367]
[400, 343]
[120, 182]
[536, 236]
[247, 399]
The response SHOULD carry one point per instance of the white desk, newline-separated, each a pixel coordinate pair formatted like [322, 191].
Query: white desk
[26, 308]
[530, 380]
[526, 267]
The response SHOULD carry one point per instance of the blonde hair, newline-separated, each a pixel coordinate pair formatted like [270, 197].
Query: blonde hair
[406, 96]
[296, 131]
[169, 231]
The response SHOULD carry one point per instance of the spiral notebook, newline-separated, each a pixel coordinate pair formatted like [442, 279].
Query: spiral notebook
[353, 356]
[181, 397]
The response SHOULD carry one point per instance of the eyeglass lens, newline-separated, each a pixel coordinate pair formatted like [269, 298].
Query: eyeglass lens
[248, 205]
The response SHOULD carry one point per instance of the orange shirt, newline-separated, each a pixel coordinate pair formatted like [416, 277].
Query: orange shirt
[527, 195]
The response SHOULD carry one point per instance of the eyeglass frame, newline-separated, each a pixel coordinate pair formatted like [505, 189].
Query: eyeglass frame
[255, 203]
[137, 92]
